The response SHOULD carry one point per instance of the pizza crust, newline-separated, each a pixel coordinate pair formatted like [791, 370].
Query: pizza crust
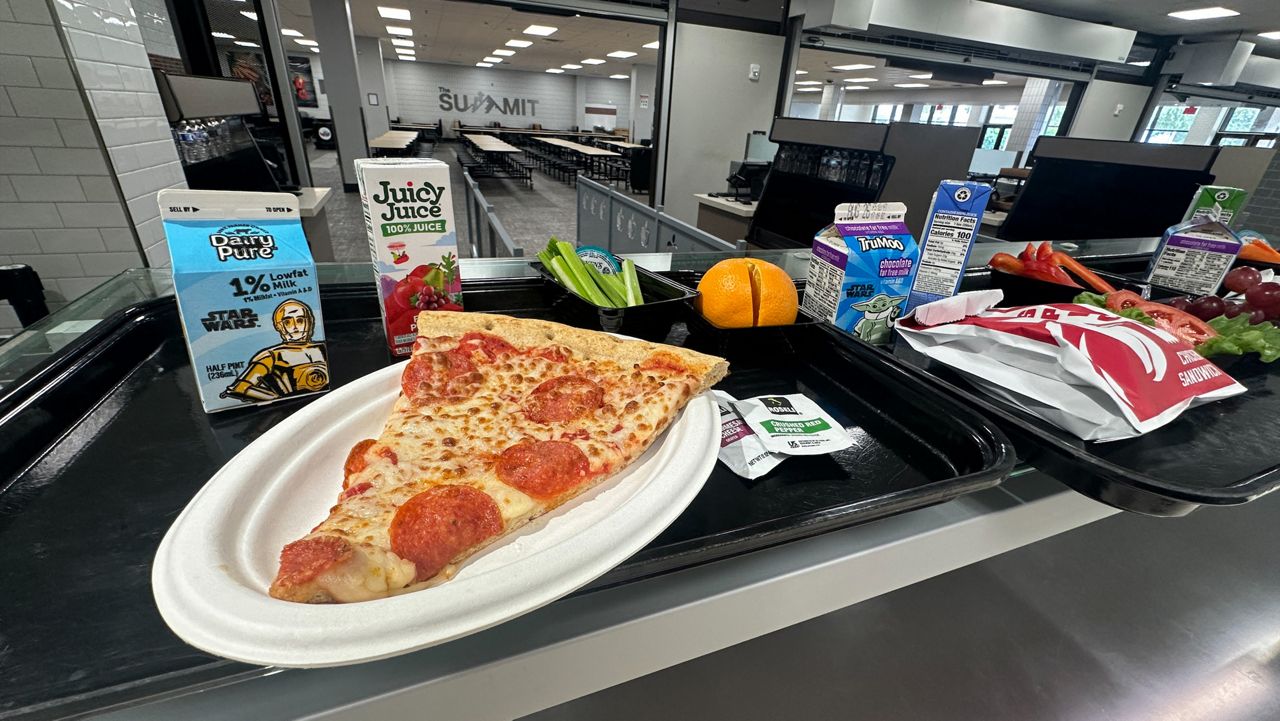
[592, 344]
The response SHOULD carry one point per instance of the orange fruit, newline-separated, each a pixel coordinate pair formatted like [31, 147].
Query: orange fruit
[746, 292]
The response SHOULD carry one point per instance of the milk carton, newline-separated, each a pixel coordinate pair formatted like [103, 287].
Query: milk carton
[408, 214]
[862, 269]
[1216, 202]
[949, 232]
[1194, 257]
[247, 295]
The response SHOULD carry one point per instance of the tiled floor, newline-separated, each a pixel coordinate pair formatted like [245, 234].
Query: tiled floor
[530, 215]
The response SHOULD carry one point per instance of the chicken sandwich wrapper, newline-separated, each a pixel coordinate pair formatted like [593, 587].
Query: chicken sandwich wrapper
[1084, 369]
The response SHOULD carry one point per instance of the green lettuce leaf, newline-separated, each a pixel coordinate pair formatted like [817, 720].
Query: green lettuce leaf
[1100, 301]
[1237, 337]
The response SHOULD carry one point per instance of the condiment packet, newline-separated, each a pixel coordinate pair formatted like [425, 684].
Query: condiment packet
[957, 307]
[740, 448]
[793, 425]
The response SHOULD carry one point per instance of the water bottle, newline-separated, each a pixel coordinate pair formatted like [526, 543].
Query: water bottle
[185, 142]
[201, 141]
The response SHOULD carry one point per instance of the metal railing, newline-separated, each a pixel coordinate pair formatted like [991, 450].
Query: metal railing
[486, 236]
[621, 224]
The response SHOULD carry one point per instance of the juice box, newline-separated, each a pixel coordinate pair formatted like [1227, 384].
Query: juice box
[408, 214]
[862, 269]
[949, 232]
[1216, 202]
[247, 295]
[1194, 257]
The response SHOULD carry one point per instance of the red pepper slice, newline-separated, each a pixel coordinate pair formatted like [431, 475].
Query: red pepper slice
[1183, 325]
[1088, 276]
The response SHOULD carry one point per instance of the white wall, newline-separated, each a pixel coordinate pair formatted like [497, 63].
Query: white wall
[713, 107]
[644, 81]
[1097, 118]
[606, 92]
[417, 89]
[369, 65]
[992, 95]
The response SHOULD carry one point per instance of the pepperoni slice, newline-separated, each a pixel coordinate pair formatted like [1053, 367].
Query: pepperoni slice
[543, 469]
[433, 527]
[354, 491]
[490, 345]
[301, 561]
[563, 399]
[444, 375]
[356, 461]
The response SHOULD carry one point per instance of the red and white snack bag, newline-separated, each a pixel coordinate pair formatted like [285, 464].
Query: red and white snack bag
[1081, 368]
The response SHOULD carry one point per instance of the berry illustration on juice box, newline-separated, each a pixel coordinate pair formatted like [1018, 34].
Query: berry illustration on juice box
[247, 295]
[408, 214]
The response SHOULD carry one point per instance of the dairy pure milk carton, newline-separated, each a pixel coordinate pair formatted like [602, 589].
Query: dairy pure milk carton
[949, 232]
[408, 214]
[1216, 202]
[862, 269]
[247, 294]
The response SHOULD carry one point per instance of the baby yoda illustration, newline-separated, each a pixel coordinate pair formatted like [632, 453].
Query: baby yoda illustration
[878, 313]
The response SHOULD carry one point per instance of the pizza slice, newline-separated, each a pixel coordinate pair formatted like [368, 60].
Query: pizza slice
[499, 421]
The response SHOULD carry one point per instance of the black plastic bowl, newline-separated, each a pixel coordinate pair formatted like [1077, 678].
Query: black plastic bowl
[664, 302]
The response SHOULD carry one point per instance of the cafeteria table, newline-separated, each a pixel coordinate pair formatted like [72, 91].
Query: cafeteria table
[498, 158]
[588, 157]
[394, 142]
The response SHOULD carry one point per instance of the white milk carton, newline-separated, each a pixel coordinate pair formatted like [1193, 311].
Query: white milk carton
[408, 214]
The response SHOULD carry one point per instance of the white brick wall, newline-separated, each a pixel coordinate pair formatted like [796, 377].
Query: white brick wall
[157, 28]
[415, 90]
[608, 91]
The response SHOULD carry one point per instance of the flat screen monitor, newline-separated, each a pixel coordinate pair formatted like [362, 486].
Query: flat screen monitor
[794, 207]
[759, 148]
[1067, 199]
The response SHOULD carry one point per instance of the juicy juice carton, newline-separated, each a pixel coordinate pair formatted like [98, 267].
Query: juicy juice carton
[408, 214]
[1216, 202]
[862, 269]
[949, 232]
[1194, 256]
[247, 295]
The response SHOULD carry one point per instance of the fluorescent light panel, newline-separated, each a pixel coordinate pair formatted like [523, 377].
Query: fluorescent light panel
[304, 42]
[224, 36]
[571, 66]
[246, 44]
[620, 76]
[921, 76]
[519, 43]
[397, 30]
[491, 59]
[911, 85]
[861, 80]
[1140, 63]
[251, 15]
[393, 13]
[995, 82]
[501, 52]
[540, 30]
[315, 50]
[621, 54]
[1273, 35]
[1204, 13]
[802, 72]
[808, 90]
[554, 71]
[650, 46]
[855, 66]
[808, 82]
[290, 33]
[856, 87]
[401, 43]
[484, 65]
[592, 61]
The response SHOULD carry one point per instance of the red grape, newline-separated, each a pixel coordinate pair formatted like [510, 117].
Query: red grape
[1233, 309]
[1242, 279]
[1257, 316]
[1264, 295]
[1207, 307]
[1180, 303]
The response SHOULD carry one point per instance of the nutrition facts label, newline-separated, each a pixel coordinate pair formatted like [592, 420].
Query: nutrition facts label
[1191, 269]
[822, 289]
[945, 250]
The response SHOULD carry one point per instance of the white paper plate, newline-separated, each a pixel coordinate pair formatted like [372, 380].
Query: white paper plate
[213, 567]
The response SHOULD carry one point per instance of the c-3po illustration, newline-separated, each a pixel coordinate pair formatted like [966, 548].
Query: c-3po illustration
[297, 365]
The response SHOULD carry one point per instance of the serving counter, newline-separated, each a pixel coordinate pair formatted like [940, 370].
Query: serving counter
[134, 668]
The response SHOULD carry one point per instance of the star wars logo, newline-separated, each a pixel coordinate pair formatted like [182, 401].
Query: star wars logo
[486, 104]
[233, 319]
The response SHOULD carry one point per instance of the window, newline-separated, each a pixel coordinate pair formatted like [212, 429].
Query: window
[1003, 114]
[886, 113]
[1169, 125]
[1241, 120]
[995, 137]
[1236, 141]
[963, 112]
[1054, 121]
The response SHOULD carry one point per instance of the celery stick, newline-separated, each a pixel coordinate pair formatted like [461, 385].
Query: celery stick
[631, 282]
[585, 287]
[603, 281]
[556, 266]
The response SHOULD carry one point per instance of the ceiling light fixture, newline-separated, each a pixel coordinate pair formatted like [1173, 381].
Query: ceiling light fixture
[995, 82]
[503, 53]
[1204, 13]
[290, 33]
[650, 46]
[401, 42]
[484, 65]
[492, 59]
[316, 50]
[808, 90]
[224, 36]
[393, 13]
[397, 30]
[540, 30]
[246, 44]
[251, 15]
[808, 82]
[1140, 63]
[802, 72]
[911, 85]
[856, 87]
[619, 77]
[921, 76]
[621, 54]
[305, 43]
[1273, 35]
[592, 61]
[571, 66]
[554, 71]
[519, 43]
[861, 80]
[855, 66]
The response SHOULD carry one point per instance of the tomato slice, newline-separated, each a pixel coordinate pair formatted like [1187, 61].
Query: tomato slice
[1182, 325]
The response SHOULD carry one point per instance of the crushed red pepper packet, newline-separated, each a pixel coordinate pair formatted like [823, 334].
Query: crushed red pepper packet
[1084, 369]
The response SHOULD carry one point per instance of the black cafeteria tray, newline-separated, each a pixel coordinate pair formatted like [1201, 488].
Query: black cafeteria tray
[664, 302]
[107, 442]
[1218, 454]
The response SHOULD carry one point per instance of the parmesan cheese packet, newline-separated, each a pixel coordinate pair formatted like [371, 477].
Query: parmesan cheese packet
[793, 425]
[740, 448]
